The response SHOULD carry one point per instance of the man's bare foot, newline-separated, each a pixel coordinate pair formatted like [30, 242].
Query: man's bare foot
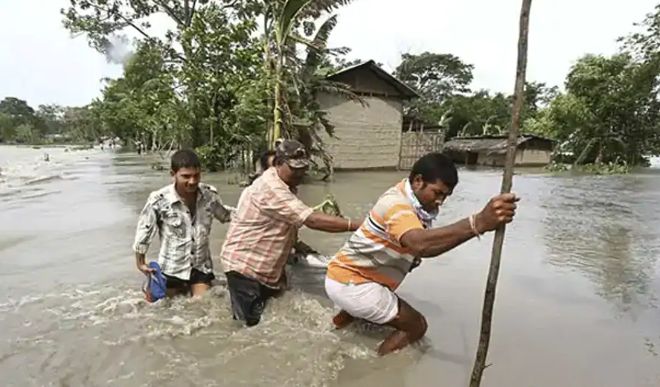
[342, 319]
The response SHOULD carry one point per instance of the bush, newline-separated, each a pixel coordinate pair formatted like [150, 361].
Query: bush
[611, 168]
[557, 167]
[210, 157]
[606, 168]
[25, 134]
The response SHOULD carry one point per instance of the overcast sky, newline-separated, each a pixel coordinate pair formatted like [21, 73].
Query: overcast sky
[41, 63]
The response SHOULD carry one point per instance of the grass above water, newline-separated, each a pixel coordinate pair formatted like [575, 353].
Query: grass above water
[591, 169]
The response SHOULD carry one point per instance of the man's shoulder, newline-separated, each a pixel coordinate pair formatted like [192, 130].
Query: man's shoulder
[393, 197]
[271, 179]
[267, 185]
[159, 194]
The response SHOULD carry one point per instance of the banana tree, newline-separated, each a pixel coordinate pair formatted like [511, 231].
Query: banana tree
[308, 81]
[284, 20]
[281, 17]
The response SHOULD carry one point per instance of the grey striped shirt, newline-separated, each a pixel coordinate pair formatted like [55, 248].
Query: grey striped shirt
[184, 239]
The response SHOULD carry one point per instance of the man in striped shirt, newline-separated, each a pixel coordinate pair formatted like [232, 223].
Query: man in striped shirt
[363, 275]
[263, 230]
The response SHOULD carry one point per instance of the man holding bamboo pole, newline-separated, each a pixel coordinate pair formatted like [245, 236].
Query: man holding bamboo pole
[363, 275]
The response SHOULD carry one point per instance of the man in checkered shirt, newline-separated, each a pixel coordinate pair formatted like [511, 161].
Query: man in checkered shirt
[182, 214]
[264, 229]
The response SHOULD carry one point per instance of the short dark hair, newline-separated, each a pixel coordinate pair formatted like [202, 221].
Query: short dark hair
[185, 158]
[433, 167]
[278, 160]
[263, 160]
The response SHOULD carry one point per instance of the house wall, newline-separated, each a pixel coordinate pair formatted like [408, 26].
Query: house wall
[524, 157]
[493, 160]
[533, 157]
[365, 136]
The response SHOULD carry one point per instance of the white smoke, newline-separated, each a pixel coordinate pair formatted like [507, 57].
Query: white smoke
[119, 49]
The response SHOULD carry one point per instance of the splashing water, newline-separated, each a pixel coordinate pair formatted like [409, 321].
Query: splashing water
[173, 341]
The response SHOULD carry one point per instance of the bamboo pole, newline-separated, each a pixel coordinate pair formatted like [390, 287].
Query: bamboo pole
[507, 181]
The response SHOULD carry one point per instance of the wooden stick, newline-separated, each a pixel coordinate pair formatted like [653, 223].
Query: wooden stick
[507, 181]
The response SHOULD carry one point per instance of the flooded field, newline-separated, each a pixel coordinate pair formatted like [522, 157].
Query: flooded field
[577, 303]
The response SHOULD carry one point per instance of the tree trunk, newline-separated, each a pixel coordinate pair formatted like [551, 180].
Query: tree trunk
[599, 156]
[268, 70]
[507, 180]
[585, 152]
[212, 124]
[277, 109]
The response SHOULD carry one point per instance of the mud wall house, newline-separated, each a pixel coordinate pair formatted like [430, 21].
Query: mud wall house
[366, 136]
[531, 150]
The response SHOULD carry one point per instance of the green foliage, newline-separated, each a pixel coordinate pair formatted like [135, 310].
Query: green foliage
[610, 168]
[537, 96]
[329, 206]
[7, 128]
[609, 116]
[19, 110]
[26, 134]
[297, 81]
[286, 18]
[209, 82]
[478, 114]
[557, 167]
[228, 77]
[435, 76]
[308, 121]
[609, 112]
[141, 105]
[20, 123]
[210, 158]
[51, 117]
[180, 88]
[644, 44]
[443, 80]
[81, 124]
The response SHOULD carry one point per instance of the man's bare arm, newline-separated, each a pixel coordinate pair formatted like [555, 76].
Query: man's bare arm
[329, 223]
[141, 264]
[144, 234]
[433, 242]
[430, 243]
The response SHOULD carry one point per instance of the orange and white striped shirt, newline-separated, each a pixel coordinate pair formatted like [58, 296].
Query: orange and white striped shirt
[374, 253]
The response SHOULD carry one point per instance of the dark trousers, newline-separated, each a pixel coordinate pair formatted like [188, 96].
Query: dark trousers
[248, 297]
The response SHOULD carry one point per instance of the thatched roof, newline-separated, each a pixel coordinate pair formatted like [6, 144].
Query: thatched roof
[490, 144]
[404, 90]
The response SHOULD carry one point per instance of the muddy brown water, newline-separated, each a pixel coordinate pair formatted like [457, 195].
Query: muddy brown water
[576, 304]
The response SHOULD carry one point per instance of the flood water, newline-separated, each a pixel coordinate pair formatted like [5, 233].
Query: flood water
[577, 301]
